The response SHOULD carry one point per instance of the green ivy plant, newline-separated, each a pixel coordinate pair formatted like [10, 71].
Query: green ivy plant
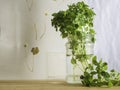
[96, 74]
[76, 24]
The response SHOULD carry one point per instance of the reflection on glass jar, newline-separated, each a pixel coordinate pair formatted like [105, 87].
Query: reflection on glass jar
[74, 67]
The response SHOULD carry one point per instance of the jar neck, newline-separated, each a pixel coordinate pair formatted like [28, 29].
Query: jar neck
[86, 39]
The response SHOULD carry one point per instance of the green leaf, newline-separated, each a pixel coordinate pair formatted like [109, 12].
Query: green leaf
[94, 60]
[95, 80]
[112, 70]
[78, 33]
[64, 35]
[90, 67]
[93, 39]
[104, 66]
[106, 75]
[93, 72]
[73, 61]
[82, 77]
[92, 31]
[100, 62]
[110, 84]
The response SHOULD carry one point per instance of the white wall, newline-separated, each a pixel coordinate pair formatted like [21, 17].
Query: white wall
[17, 20]
[8, 60]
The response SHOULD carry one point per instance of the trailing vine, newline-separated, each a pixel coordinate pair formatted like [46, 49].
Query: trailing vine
[76, 24]
[97, 74]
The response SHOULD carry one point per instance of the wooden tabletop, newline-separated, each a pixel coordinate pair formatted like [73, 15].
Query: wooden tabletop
[46, 85]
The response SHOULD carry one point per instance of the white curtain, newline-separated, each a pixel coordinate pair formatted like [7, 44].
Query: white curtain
[107, 27]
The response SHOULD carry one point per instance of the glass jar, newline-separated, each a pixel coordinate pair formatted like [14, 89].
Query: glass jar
[89, 45]
[74, 71]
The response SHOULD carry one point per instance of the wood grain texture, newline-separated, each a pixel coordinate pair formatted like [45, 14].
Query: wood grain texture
[45, 85]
